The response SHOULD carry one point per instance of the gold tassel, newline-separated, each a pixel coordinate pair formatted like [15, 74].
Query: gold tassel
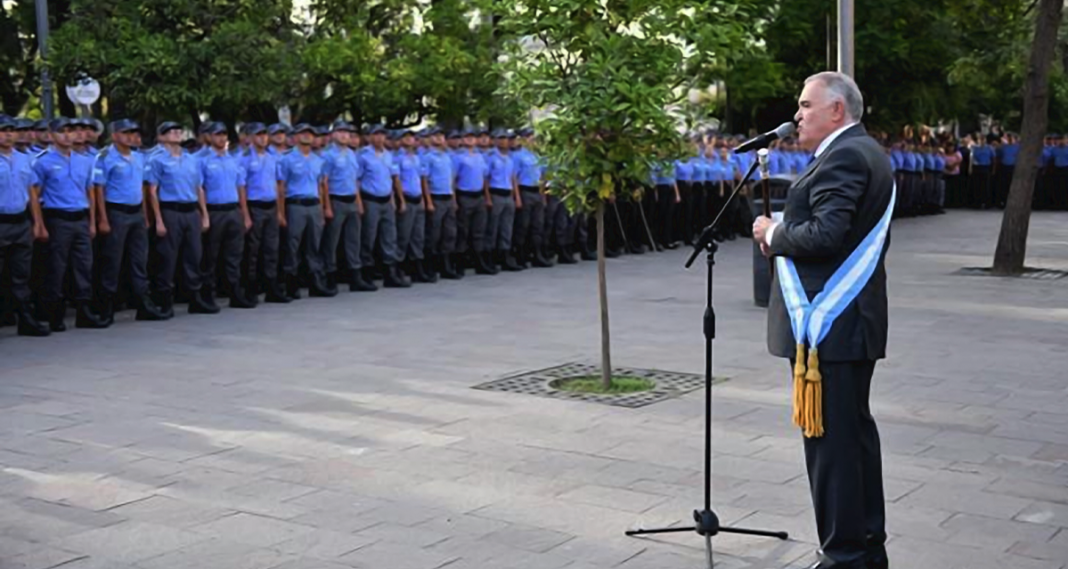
[813, 399]
[799, 386]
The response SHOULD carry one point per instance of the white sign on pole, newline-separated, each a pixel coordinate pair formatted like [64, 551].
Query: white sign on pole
[85, 92]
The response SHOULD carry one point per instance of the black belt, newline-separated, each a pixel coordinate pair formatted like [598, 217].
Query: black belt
[441, 197]
[222, 206]
[501, 193]
[932, 172]
[14, 217]
[302, 201]
[530, 189]
[66, 215]
[470, 194]
[376, 199]
[343, 199]
[184, 207]
[413, 199]
[262, 205]
[124, 208]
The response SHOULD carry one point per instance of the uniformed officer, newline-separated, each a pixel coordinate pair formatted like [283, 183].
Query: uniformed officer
[345, 226]
[25, 136]
[122, 221]
[504, 195]
[377, 171]
[474, 202]
[176, 193]
[279, 136]
[1059, 164]
[441, 207]
[227, 205]
[410, 188]
[42, 137]
[982, 165]
[64, 192]
[19, 224]
[301, 193]
[667, 195]
[530, 220]
[681, 219]
[261, 246]
[1006, 166]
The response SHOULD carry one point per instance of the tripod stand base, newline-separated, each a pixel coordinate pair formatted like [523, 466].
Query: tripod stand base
[707, 524]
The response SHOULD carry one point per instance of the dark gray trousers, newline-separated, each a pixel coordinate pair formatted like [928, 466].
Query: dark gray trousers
[379, 226]
[557, 221]
[502, 218]
[471, 223]
[225, 246]
[183, 237]
[411, 232]
[128, 240]
[530, 221]
[69, 245]
[16, 255]
[344, 229]
[261, 248]
[304, 225]
[441, 227]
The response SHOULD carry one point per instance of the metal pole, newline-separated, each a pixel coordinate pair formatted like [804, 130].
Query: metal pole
[42, 46]
[845, 37]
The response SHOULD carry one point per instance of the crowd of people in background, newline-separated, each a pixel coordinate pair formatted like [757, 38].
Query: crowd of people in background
[260, 212]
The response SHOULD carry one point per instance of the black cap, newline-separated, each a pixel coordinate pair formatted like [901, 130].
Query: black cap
[59, 124]
[277, 128]
[167, 126]
[345, 126]
[23, 124]
[455, 134]
[216, 127]
[501, 133]
[41, 125]
[323, 130]
[376, 129]
[253, 128]
[469, 132]
[7, 123]
[303, 127]
[125, 125]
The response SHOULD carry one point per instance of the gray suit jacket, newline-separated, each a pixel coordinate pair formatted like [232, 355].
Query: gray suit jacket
[830, 208]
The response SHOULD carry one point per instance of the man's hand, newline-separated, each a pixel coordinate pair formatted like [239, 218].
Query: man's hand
[104, 227]
[760, 229]
[40, 233]
[161, 230]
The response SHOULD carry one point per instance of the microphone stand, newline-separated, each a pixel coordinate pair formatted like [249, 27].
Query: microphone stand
[706, 522]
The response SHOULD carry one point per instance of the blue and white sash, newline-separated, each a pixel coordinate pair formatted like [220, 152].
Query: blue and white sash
[812, 321]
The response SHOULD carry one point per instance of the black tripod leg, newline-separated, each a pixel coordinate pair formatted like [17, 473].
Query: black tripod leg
[759, 532]
[660, 530]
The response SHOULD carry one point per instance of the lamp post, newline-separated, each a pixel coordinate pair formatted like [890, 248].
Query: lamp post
[845, 37]
[42, 47]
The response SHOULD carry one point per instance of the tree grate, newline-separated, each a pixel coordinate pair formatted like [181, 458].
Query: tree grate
[1028, 273]
[668, 385]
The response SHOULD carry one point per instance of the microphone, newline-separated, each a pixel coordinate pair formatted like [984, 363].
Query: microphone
[785, 129]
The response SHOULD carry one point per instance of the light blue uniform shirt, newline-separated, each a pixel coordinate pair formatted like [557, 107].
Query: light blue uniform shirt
[222, 176]
[471, 170]
[376, 172]
[177, 177]
[527, 167]
[700, 169]
[16, 177]
[1007, 154]
[437, 166]
[663, 175]
[122, 177]
[683, 171]
[410, 171]
[64, 180]
[301, 174]
[982, 156]
[261, 176]
[1059, 156]
[501, 171]
[342, 171]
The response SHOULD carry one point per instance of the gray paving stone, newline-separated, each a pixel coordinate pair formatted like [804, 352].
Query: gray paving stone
[217, 553]
[324, 544]
[172, 512]
[42, 558]
[396, 556]
[966, 501]
[252, 529]
[998, 535]
[1046, 513]
[129, 542]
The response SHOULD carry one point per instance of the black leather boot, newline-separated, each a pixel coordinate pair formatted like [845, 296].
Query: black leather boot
[28, 325]
[320, 287]
[429, 271]
[565, 257]
[394, 278]
[107, 308]
[448, 271]
[275, 294]
[86, 318]
[508, 262]
[292, 287]
[55, 312]
[203, 302]
[238, 298]
[358, 284]
[419, 273]
[166, 304]
[483, 265]
[147, 310]
[540, 260]
[585, 253]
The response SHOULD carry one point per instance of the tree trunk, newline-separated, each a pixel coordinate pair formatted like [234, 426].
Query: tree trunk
[1012, 241]
[602, 296]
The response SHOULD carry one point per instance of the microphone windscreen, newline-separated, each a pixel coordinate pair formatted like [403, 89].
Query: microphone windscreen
[785, 129]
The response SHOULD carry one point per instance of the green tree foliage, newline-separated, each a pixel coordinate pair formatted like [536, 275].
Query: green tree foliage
[177, 58]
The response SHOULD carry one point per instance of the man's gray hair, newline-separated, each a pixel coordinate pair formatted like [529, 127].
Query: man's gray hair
[843, 87]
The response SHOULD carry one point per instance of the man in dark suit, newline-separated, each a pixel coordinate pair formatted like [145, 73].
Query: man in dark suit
[834, 204]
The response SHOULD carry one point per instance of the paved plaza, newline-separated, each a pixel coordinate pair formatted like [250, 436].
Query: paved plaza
[344, 433]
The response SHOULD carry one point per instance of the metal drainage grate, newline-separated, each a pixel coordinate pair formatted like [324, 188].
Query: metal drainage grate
[669, 384]
[1028, 273]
